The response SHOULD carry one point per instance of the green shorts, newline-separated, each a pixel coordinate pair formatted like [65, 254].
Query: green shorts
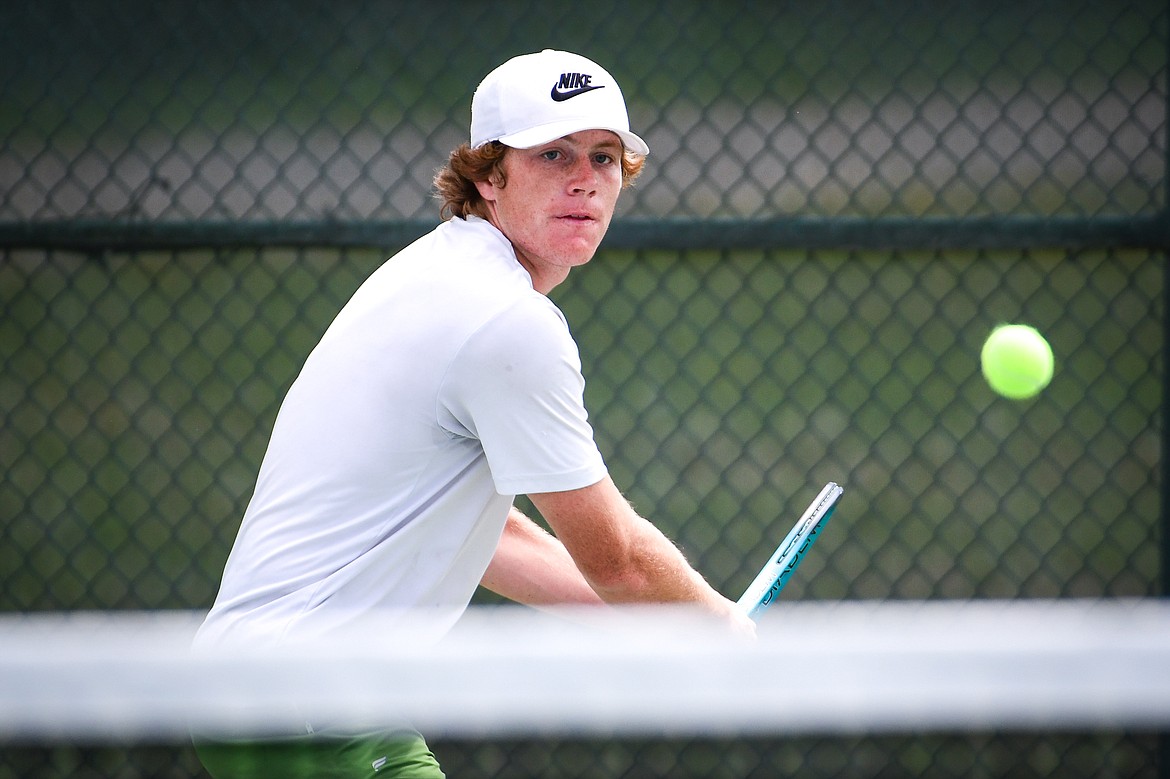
[399, 755]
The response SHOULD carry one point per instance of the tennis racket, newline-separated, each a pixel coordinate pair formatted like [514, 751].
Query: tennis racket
[780, 566]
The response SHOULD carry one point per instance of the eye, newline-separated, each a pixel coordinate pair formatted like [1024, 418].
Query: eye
[551, 155]
[603, 158]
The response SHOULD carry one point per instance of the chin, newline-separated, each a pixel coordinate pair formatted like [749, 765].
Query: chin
[583, 257]
[577, 252]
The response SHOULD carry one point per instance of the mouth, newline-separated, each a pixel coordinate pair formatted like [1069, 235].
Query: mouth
[578, 217]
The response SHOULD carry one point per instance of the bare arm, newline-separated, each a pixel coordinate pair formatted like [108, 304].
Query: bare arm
[532, 567]
[624, 557]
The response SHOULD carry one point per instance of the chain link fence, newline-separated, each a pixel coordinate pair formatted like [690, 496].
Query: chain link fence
[841, 201]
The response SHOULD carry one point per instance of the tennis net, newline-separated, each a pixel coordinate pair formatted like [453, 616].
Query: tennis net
[905, 673]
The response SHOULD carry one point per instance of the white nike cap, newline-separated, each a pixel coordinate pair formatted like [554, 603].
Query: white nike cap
[537, 98]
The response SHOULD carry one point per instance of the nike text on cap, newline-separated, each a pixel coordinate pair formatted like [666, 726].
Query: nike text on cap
[537, 98]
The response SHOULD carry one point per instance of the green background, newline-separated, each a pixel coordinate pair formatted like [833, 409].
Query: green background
[842, 200]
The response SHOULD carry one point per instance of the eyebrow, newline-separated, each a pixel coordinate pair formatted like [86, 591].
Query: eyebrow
[613, 147]
[608, 144]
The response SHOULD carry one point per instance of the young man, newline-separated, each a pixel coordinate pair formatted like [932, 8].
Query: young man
[447, 385]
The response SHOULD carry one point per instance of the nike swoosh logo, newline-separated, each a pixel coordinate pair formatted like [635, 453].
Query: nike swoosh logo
[559, 96]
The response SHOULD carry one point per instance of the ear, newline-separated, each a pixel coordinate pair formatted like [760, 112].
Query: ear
[487, 190]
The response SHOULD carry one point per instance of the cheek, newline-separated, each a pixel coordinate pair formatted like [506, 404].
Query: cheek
[524, 206]
[517, 212]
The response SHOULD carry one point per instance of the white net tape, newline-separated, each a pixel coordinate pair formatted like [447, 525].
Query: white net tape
[816, 668]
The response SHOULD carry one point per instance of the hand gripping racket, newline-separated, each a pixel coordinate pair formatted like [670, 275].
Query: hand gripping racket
[779, 569]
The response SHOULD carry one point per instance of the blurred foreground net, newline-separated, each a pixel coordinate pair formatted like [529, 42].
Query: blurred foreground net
[1021, 688]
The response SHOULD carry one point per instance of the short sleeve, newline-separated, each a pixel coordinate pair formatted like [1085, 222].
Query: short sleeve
[516, 386]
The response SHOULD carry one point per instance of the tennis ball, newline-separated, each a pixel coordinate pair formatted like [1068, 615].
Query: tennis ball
[1017, 361]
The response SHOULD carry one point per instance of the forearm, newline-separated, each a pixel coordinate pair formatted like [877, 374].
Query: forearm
[532, 567]
[623, 556]
[652, 570]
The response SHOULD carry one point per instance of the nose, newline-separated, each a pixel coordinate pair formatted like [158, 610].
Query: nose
[582, 176]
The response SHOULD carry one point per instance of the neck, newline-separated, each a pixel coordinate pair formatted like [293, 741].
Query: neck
[544, 280]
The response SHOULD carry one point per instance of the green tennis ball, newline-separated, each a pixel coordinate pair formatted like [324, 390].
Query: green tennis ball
[1017, 361]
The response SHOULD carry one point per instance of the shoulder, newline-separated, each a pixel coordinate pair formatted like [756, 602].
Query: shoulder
[524, 347]
[532, 330]
[469, 238]
[494, 287]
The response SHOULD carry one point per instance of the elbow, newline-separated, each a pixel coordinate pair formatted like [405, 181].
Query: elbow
[617, 580]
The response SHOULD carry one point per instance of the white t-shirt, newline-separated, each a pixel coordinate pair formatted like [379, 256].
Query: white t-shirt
[446, 386]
